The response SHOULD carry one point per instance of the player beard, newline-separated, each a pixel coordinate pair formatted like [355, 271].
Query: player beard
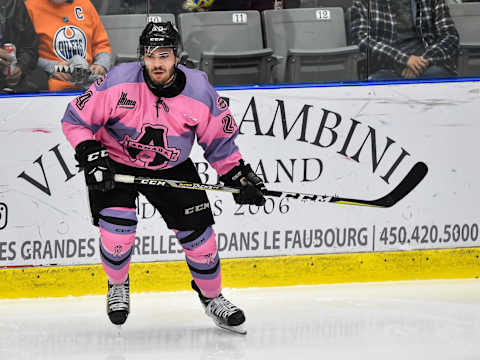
[161, 76]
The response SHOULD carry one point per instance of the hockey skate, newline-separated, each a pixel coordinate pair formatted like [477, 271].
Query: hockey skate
[118, 302]
[223, 312]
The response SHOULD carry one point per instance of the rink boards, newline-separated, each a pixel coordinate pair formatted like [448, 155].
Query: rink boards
[249, 272]
[355, 141]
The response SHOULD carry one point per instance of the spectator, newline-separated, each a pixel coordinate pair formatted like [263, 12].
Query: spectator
[16, 28]
[165, 6]
[67, 28]
[260, 5]
[137, 6]
[405, 41]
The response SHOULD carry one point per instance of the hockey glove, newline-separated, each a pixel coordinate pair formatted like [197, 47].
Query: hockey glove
[251, 186]
[93, 158]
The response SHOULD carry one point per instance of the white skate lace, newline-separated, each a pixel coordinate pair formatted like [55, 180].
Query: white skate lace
[118, 297]
[221, 307]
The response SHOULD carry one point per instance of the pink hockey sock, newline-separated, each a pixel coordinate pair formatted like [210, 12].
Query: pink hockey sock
[201, 253]
[117, 230]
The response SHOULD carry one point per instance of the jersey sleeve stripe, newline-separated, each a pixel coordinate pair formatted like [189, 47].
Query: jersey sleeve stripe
[71, 117]
[220, 148]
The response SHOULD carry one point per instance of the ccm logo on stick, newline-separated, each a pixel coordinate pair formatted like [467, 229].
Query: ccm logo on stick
[197, 208]
[153, 182]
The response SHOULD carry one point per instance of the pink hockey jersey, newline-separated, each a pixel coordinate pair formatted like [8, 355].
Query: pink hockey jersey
[140, 130]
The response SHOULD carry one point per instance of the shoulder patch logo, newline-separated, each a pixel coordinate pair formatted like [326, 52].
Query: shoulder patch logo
[82, 100]
[99, 82]
[126, 103]
[222, 103]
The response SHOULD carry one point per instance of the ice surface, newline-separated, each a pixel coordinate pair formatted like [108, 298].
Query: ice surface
[401, 320]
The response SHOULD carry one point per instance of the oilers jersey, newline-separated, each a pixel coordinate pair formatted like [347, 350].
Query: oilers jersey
[72, 28]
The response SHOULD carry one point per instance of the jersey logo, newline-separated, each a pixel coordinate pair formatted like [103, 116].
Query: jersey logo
[79, 13]
[69, 41]
[151, 147]
[126, 103]
[117, 250]
[210, 258]
[82, 100]
[228, 124]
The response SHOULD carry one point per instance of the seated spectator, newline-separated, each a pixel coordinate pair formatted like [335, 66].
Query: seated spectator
[19, 74]
[405, 41]
[228, 5]
[67, 28]
[154, 6]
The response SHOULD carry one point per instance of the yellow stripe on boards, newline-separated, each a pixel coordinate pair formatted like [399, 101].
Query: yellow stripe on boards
[249, 272]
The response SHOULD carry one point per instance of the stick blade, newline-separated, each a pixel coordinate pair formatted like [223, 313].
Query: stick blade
[409, 182]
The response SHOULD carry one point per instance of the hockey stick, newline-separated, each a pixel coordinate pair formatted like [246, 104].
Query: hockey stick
[409, 182]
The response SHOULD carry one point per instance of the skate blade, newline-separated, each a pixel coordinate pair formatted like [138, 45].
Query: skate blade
[118, 329]
[239, 329]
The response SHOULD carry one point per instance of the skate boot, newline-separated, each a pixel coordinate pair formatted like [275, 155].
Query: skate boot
[223, 312]
[118, 302]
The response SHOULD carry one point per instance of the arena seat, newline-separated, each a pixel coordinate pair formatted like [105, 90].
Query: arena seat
[227, 45]
[467, 21]
[124, 32]
[344, 4]
[311, 44]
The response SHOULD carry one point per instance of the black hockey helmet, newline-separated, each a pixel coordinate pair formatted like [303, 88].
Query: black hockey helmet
[159, 34]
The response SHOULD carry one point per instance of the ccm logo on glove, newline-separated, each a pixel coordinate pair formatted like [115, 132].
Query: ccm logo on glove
[96, 155]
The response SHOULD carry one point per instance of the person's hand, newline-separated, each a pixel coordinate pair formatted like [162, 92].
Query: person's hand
[417, 64]
[14, 78]
[251, 186]
[61, 75]
[98, 70]
[5, 58]
[407, 73]
[93, 158]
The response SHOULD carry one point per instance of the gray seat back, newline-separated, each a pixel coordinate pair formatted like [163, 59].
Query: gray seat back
[305, 29]
[124, 33]
[227, 45]
[467, 21]
[220, 31]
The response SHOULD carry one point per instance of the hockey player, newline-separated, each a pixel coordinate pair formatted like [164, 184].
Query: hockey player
[141, 119]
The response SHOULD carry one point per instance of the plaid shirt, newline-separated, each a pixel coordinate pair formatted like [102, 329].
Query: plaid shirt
[376, 36]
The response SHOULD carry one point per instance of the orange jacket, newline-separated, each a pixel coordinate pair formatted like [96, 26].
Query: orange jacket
[72, 28]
